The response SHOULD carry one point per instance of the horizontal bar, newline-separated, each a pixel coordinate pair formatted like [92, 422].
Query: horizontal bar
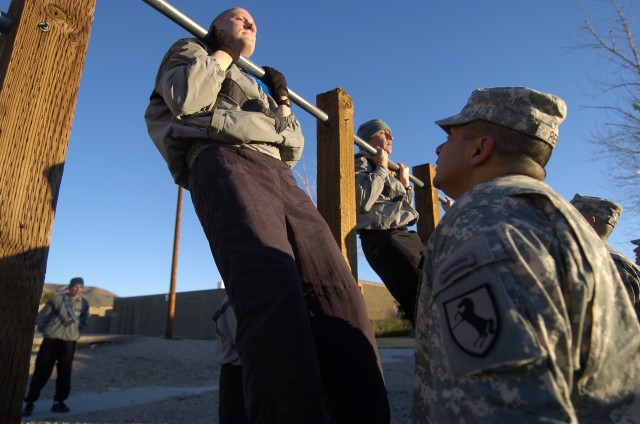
[200, 32]
[392, 165]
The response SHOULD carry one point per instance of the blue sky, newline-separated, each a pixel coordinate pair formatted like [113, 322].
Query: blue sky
[408, 62]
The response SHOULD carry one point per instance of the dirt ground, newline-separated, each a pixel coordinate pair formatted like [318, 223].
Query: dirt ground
[183, 379]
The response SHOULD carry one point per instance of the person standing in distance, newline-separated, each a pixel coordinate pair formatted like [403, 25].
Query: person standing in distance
[384, 202]
[518, 319]
[60, 321]
[307, 348]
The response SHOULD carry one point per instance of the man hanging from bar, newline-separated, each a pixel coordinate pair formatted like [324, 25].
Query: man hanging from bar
[306, 344]
[383, 200]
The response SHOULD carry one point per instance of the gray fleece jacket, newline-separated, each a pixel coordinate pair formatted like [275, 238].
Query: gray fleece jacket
[189, 105]
[382, 202]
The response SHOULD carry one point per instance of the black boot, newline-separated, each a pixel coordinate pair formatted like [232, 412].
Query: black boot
[28, 409]
[59, 407]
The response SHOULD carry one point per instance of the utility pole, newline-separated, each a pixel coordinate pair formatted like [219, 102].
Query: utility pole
[42, 52]
[171, 309]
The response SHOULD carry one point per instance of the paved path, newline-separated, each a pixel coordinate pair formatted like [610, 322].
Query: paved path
[81, 403]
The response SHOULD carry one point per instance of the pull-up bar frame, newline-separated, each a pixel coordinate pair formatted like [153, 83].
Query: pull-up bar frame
[200, 32]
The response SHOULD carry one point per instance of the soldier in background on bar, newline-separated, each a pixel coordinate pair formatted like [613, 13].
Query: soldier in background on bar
[384, 211]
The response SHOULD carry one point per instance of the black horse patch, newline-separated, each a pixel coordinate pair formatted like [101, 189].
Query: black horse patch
[473, 320]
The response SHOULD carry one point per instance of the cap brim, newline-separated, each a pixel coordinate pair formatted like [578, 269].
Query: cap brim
[459, 119]
[637, 242]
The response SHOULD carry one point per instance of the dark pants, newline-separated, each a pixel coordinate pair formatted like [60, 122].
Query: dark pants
[52, 352]
[231, 408]
[304, 337]
[396, 256]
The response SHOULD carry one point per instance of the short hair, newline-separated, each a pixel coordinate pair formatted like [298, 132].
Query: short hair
[220, 16]
[509, 143]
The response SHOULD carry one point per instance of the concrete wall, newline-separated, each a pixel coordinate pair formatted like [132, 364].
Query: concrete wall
[147, 315]
[380, 303]
[98, 325]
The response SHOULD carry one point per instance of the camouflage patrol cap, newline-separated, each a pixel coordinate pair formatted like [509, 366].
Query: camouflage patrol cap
[604, 209]
[519, 108]
[371, 128]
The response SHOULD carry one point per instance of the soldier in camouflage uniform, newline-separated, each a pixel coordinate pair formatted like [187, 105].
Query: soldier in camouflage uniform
[637, 250]
[518, 320]
[602, 215]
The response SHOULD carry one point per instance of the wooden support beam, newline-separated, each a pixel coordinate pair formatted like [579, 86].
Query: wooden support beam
[336, 177]
[426, 199]
[41, 61]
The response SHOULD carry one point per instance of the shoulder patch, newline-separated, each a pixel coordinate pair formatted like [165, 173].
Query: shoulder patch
[472, 319]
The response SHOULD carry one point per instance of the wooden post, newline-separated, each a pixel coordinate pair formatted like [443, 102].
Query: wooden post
[41, 60]
[427, 203]
[171, 310]
[336, 178]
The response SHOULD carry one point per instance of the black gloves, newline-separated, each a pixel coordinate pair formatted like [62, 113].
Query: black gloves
[217, 39]
[276, 82]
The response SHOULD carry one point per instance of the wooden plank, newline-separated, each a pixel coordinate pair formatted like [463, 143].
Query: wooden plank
[41, 61]
[426, 199]
[336, 177]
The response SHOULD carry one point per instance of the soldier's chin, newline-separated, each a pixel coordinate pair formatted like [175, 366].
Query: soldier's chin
[248, 49]
[436, 182]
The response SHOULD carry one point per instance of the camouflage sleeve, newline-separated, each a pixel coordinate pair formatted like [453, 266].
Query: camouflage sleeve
[630, 276]
[518, 320]
[486, 356]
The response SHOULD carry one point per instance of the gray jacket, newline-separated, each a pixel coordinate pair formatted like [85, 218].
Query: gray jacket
[63, 318]
[382, 202]
[188, 104]
[226, 327]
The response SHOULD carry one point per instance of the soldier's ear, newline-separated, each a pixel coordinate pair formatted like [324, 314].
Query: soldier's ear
[482, 148]
[590, 219]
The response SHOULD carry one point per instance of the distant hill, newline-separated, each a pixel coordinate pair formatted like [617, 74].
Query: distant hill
[95, 295]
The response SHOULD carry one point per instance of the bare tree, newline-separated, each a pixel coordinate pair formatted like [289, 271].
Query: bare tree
[618, 140]
[306, 180]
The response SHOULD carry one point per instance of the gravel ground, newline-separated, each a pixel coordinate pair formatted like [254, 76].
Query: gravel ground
[152, 363]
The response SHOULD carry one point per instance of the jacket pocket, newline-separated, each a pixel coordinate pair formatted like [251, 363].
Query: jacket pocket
[239, 127]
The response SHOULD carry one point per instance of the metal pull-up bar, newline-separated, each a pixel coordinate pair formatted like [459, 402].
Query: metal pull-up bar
[200, 32]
